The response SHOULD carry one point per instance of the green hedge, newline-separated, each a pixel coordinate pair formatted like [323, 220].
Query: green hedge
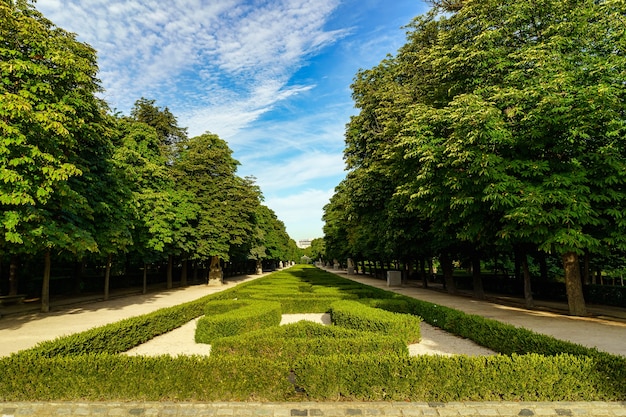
[299, 303]
[135, 378]
[355, 315]
[84, 367]
[294, 341]
[123, 335]
[251, 315]
[459, 378]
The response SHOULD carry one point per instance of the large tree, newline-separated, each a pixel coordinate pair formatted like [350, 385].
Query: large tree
[531, 129]
[48, 115]
[226, 203]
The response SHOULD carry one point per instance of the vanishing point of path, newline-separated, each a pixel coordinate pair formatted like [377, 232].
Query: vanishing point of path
[21, 331]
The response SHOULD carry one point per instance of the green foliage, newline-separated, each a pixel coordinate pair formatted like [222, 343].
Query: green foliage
[328, 362]
[459, 378]
[120, 378]
[354, 315]
[251, 315]
[49, 119]
[291, 342]
[498, 124]
[120, 336]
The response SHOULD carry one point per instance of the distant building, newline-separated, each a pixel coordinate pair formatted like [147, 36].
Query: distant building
[304, 243]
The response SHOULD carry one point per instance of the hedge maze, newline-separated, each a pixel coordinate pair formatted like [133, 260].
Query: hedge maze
[363, 355]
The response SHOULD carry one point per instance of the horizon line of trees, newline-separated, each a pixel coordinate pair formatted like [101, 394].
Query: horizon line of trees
[78, 183]
[497, 130]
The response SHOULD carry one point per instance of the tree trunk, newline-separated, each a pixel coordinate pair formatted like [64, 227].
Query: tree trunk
[528, 294]
[13, 279]
[543, 266]
[448, 276]
[45, 285]
[409, 270]
[423, 275]
[183, 274]
[194, 276]
[145, 278]
[107, 277]
[573, 285]
[477, 279]
[170, 266]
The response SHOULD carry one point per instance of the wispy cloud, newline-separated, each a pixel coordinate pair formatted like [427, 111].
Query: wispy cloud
[269, 76]
[228, 56]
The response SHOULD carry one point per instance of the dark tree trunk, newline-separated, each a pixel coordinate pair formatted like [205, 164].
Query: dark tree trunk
[448, 276]
[145, 278]
[13, 277]
[107, 277]
[543, 266]
[528, 294]
[45, 284]
[183, 274]
[423, 275]
[573, 285]
[477, 279]
[170, 266]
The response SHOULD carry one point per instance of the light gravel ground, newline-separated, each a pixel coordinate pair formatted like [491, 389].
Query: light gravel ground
[434, 341]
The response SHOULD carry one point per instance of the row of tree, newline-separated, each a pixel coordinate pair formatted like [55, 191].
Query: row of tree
[77, 182]
[498, 129]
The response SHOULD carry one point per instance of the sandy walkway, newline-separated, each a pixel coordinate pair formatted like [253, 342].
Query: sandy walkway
[434, 341]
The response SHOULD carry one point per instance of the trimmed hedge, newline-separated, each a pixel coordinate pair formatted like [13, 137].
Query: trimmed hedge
[250, 315]
[355, 315]
[83, 367]
[123, 335]
[294, 341]
[459, 378]
[299, 303]
[135, 378]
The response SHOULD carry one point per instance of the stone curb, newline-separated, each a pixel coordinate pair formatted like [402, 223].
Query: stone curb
[326, 409]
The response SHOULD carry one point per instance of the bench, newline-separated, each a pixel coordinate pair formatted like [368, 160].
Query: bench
[11, 299]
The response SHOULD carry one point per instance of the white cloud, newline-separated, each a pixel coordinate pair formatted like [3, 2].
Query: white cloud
[297, 171]
[156, 48]
[302, 212]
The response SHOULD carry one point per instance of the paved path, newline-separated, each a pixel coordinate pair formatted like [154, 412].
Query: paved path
[336, 409]
[21, 331]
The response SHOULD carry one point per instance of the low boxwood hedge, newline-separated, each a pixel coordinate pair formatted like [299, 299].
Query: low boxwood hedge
[104, 377]
[293, 341]
[355, 315]
[251, 315]
[533, 367]
[460, 378]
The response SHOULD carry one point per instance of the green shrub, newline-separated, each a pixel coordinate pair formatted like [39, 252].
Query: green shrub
[458, 378]
[68, 368]
[215, 307]
[299, 303]
[123, 335]
[293, 341]
[252, 315]
[354, 315]
[136, 378]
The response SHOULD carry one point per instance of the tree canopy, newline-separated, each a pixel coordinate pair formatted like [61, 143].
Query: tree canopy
[499, 124]
[78, 183]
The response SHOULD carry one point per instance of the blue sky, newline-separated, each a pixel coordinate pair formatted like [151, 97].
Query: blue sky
[271, 77]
